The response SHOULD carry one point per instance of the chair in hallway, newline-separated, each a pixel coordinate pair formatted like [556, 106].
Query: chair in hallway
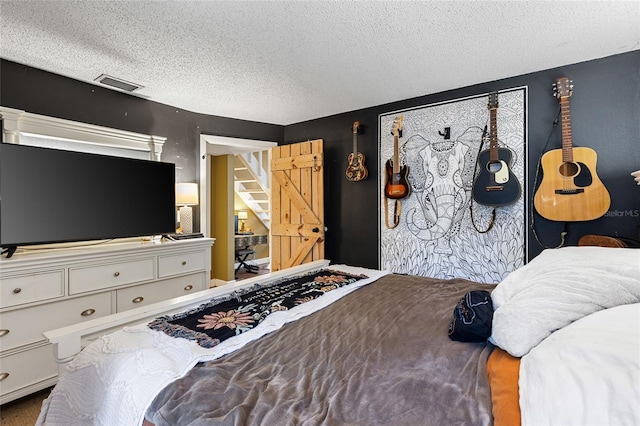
[242, 256]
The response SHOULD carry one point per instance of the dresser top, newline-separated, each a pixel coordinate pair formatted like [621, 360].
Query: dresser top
[49, 254]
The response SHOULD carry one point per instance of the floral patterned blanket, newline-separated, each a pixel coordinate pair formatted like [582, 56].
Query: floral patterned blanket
[222, 318]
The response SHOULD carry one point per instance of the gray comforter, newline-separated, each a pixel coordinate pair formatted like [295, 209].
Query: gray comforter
[378, 356]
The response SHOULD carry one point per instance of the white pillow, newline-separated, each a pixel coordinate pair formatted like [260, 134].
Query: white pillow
[588, 373]
[558, 287]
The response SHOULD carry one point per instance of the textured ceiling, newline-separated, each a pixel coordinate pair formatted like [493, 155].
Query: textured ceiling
[283, 62]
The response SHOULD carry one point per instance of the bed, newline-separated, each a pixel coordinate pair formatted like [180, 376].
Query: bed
[373, 350]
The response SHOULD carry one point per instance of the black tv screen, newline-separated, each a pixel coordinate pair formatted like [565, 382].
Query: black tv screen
[52, 196]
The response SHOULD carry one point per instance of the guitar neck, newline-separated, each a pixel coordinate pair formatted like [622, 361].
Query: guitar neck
[493, 135]
[396, 155]
[355, 147]
[565, 113]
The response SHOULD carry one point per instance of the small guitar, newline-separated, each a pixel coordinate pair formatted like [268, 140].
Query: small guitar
[356, 170]
[397, 186]
[570, 190]
[495, 185]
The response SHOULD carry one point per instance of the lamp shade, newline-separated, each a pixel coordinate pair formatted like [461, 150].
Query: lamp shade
[186, 194]
[243, 215]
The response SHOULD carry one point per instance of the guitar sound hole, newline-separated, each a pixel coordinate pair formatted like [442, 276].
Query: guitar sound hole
[568, 169]
[494, 167]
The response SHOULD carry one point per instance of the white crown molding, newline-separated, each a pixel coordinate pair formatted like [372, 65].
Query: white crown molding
[17, 121]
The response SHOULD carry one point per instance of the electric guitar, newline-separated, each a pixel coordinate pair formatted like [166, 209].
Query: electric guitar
[495, 185]
[356, 170]
[570, 190]
[397, 186]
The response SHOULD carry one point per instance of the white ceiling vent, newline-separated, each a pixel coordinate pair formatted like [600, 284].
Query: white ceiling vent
[118, 83]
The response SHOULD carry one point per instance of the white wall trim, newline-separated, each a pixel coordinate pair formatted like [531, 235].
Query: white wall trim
[222, 145]
[211, 145]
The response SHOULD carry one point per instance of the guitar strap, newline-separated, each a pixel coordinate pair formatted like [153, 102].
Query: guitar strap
[491, 222]
[565, 231]
[397, 208]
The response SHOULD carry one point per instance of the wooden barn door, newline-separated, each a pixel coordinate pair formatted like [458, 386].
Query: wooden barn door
[297, 204]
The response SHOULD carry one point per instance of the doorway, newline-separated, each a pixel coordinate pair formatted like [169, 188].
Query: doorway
[222, 151]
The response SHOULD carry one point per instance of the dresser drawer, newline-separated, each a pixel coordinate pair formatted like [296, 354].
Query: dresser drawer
[134, 297]
[27, 368]
[24, 326]
[29, 288]
[82, 280]
[181, 263]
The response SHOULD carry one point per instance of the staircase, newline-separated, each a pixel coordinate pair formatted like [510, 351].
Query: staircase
[251, 183]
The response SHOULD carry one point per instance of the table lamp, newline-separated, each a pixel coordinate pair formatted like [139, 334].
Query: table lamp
[242, 216]
[186, 196]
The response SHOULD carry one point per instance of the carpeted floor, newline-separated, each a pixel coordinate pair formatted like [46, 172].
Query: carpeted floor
[25, 411]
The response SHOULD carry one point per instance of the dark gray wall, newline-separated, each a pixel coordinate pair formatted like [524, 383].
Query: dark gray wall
[45, 93]
[605, 110]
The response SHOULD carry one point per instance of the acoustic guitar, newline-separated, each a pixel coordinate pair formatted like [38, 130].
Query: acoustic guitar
[397, 186]
[570, 190]
[495, 185]
[356, 169]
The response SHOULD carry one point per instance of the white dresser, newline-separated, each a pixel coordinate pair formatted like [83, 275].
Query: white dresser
[43, 290]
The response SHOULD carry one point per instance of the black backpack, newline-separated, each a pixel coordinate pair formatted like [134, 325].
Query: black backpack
[472, 317]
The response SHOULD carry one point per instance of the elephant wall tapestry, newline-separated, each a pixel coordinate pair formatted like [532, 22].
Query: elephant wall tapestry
[442, 230]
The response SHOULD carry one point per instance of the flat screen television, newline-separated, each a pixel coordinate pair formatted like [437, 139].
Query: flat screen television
[54, 196]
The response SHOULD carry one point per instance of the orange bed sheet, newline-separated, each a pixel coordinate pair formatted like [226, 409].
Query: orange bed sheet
[504, 371]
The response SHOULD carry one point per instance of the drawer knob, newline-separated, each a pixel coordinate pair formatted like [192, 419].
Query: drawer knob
[184, 262]
[88, 312]
[17, 290]
[138, 299]
[4, 332]
[117, 274]
[189, 287]
[3, 376]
